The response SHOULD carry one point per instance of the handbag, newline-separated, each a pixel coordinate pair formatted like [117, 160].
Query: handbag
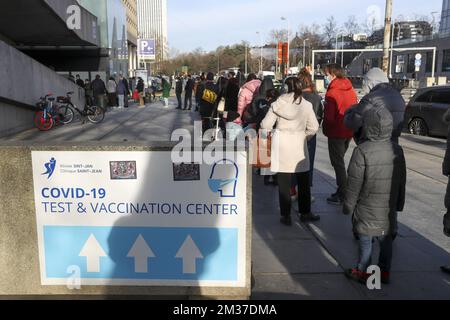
[262, 151]
[221, 106]
[135, 95]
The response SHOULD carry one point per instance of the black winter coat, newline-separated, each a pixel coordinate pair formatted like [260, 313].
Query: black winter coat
[179, 86]
[189, 87]
[231, 95]
[140, 86]
[206, 108]
[446, 172]
[316, 101]
[98, 87]
[446, 164]
[376, 178]
[382, 95]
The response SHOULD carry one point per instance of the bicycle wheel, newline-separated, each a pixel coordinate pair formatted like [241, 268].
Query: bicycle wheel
[95, 114]
[43, 123]
[66, 114]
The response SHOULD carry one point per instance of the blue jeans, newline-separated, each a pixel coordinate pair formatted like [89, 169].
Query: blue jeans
[365, 252]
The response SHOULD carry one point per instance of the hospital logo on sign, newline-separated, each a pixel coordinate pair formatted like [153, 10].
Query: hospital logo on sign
[50, 168]
[224, 178]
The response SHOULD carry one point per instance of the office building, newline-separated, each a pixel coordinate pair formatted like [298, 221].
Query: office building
[132, 34]
[445, 17]
[152, 24]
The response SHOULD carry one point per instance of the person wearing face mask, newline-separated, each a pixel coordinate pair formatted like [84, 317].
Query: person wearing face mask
[379, 93]
[339, 98]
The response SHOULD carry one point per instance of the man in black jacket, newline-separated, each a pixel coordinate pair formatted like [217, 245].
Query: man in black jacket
[232, 93]
[446, 172]
[79, 82]
[375, 191]
[189, 88]
[179, 91]
[208, 95]
[379, 93]
[98, 91]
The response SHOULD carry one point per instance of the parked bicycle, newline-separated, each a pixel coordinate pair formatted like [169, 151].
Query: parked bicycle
[48, 115]
[68, 110]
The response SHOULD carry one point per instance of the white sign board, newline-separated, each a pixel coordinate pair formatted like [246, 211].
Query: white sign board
[147, 49]
[142, 73]
[136, 219]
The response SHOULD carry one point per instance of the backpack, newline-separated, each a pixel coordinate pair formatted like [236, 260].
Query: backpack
[252, 110]
[209, 96]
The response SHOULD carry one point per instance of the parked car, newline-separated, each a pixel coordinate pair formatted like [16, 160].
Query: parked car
[425, 110]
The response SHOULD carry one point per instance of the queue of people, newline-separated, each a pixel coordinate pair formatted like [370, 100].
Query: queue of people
[371, 189]
[117, 92]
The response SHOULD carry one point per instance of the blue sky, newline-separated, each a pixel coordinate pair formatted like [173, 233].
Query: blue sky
[210, 23]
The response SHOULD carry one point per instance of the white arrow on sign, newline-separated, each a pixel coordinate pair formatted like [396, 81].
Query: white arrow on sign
[93, 251]
[141, 252]
[189, 252]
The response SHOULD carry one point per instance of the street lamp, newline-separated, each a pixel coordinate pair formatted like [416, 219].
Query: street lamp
[304, 50]
[336, 53]
[261, 55]
[288, 45]
[433, 23]
[392, 49]
[246, 57]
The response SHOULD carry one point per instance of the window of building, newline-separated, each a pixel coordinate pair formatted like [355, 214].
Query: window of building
[400, 65]
[446, 61]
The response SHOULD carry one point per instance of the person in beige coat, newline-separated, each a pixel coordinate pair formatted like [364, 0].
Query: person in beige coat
[295, 122]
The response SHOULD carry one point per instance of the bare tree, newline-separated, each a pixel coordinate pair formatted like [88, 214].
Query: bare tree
[351, 26]
[422, 17]
[277, 35]
[330, 29]
[371, 26]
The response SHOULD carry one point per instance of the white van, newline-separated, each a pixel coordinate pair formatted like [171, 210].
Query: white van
[265, 74]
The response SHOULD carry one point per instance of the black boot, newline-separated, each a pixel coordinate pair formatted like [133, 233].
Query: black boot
[309, 217]
[446, 269]
[287, 221]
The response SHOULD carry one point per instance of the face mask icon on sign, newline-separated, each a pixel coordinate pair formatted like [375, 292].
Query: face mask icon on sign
[224, 177]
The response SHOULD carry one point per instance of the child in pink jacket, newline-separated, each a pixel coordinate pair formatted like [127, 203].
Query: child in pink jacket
[246, 94]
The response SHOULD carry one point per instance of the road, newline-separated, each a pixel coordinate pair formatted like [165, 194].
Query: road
[307, 262]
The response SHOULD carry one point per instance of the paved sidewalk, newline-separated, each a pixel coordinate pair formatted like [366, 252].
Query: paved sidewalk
[150, 123]
[307, 262]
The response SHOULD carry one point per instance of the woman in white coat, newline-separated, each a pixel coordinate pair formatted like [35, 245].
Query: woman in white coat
[295, 122]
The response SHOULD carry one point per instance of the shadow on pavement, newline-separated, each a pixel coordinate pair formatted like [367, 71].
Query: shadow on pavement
[307, 262]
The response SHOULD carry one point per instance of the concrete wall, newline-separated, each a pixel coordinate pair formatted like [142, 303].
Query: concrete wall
[14, 119]
[22, 82]
[19, 257]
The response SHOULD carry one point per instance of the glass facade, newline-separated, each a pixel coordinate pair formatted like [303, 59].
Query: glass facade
[446, 61]
[445, 17]
[112, 22]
